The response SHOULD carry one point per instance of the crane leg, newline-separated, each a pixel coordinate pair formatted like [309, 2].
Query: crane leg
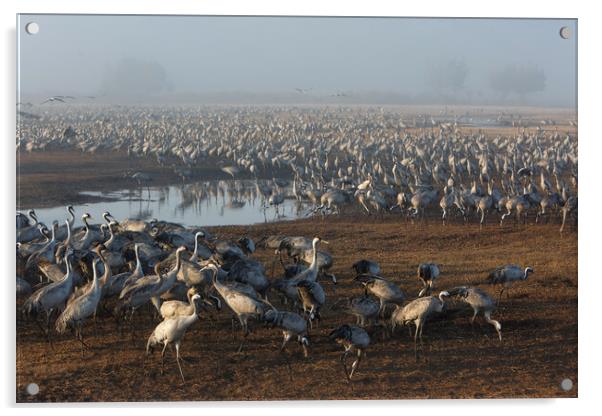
[287, 338]
[163, 357]
[245, 334]
[343, 358]
[178, 361]
[356, 363]
[474, 315]
[416, 342]
[305, 349]
[80, 337]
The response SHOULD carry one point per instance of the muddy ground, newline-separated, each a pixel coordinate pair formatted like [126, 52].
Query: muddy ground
[56, 177]
[539, 323]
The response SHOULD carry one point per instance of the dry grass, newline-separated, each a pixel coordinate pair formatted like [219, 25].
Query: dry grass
[539, 326]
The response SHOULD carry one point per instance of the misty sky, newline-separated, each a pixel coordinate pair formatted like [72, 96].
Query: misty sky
[81, 55]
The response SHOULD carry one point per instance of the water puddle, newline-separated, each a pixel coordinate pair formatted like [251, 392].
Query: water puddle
[207, 203]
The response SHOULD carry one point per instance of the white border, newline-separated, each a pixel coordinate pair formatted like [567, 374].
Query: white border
[589, 104]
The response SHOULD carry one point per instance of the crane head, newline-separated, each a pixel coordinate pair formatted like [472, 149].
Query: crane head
[271, 317]
[341, 333]
[318, 239]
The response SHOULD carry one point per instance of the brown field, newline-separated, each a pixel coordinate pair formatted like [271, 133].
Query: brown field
[539, 324]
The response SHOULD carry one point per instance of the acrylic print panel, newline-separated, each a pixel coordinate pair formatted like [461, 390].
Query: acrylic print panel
[295, 208]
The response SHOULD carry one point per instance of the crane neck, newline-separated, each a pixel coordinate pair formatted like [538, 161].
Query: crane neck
[314, 260]
[68, 239]
[69, 274]
[95, 275]
[195, 253]
[138, 264]
[71, 220]
[214, 278]
[107, 269]
[178, 261]
[87, 227]
[111, 237]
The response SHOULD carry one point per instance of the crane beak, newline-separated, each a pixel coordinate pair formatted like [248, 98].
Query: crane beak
[324, 241]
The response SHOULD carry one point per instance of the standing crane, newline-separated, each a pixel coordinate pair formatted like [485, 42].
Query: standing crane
[81, 308]
[149, 288]
[171, 331]
[427, 273]
[506, 276]
[387, 292]
[480, 302]
[353, 339]
[417, 312]
[243, 304]
[312, 298]
[51, 297]
[292, 325]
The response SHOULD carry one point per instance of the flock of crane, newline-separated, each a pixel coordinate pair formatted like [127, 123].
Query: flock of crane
[115, 269]
[334, 158]
[330, 158]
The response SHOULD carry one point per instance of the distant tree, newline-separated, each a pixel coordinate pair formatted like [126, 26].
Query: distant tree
[447, 75]
[133, 77]
[520, 80]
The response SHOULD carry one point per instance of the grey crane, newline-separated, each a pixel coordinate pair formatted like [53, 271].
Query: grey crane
[364, 308]
[312, 298]
[201, 252]
[51, 297]
[173, 308]
[387, 292]
[22, 221]
[29, 232]
[311, 273]
[171, 331]
[292, 325]
[366, 267]
[118, 282]
[417, 312]
[23, 288]
[45, 253]
[243, 304]
[353, 339]
[81, 308]
[569, 207]
[148, 288]
[427, 273]
[507, 275]
[480, 302]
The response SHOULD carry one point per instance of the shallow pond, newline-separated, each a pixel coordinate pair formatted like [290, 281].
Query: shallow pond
[206, 203]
